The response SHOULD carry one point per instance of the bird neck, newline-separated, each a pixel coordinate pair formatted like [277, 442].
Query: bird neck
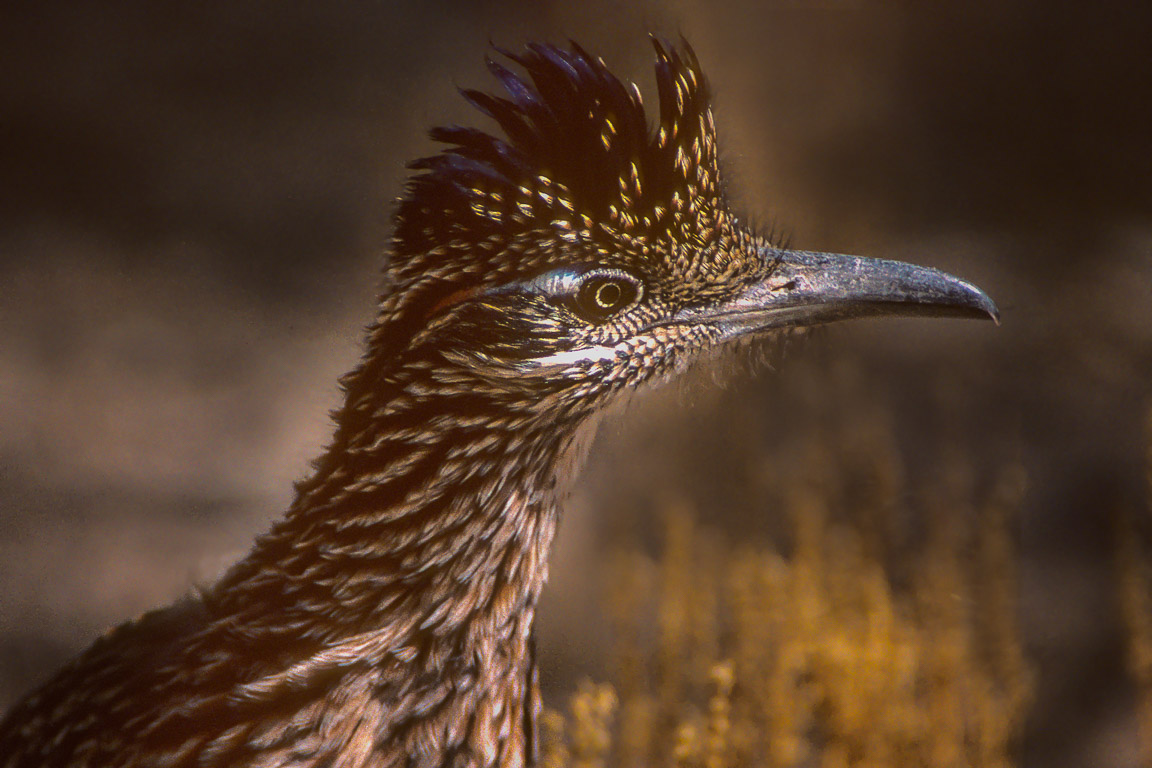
[398, 594]
[425, 528]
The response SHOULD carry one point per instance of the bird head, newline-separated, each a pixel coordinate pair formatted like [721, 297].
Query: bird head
[587, 250]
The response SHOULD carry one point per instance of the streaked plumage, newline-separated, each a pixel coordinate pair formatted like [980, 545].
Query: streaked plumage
[386, 620]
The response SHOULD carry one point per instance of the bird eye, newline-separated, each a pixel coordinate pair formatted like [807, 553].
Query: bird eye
[600, 295]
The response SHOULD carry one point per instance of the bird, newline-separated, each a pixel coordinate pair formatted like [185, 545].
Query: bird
[538, 271]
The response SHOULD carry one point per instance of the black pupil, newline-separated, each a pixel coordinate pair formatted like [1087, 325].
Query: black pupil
[601, 296]
[608, 295]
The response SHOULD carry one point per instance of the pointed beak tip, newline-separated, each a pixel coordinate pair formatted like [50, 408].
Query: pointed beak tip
[983, 305]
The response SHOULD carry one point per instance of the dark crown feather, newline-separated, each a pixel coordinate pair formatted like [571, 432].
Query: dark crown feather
[577, 151]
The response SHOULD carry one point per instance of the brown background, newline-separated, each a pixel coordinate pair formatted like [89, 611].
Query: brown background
[193, 203]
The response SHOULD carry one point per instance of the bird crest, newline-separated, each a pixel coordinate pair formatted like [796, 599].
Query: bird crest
[578, 171]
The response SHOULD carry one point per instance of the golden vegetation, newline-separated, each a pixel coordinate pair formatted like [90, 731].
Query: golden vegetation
[1134, 567]
[838, 651]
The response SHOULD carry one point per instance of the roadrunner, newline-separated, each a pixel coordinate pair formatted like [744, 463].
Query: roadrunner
[533, 276]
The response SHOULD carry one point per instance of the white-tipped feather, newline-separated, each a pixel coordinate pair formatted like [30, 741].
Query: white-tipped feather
[570, 357]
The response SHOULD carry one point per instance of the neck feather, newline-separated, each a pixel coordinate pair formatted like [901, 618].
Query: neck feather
[415, 555]
[436, 497]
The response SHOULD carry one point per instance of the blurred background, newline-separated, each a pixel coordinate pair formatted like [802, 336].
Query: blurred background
[194, 199]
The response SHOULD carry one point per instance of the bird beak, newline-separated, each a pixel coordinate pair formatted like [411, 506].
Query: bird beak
[807, 288]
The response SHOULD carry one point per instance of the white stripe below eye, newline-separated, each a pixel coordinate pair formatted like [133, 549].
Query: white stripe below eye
[581, 355]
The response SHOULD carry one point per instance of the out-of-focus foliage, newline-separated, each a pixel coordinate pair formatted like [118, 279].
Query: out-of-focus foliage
[1134, 568]
[731, 656]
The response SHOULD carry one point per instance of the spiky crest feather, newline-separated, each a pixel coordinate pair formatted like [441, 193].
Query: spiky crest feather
[578, 167]
[577, 146]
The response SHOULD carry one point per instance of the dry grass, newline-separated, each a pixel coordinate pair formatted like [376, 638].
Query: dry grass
[749, 657]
